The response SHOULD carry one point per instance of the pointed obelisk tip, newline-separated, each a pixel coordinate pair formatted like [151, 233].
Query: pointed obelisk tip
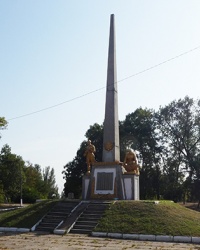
[111, 151]
[112, 19]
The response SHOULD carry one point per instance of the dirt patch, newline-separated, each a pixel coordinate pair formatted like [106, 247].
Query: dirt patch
[191, 205]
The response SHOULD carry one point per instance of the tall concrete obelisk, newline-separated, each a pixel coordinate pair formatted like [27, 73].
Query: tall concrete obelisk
[107, 179]
[111, 152]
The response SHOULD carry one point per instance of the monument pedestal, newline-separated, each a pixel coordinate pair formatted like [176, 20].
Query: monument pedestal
[131, 186]
[107, 182]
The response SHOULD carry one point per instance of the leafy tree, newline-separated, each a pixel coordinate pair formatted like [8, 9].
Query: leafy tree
[74, 170]
[142, 138]
[33, 175]
[11, 173]
[39, 184]
[16, 176]
[50, 183]
[167, 143]
[195, 182]
[140, 127]
[173, 180]
[3, 124]
[132, 134]
[2, 195]
[33, 183]
[179, 125]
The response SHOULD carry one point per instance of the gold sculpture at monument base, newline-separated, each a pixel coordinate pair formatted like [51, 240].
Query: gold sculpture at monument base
[130, 163]
[89, 154]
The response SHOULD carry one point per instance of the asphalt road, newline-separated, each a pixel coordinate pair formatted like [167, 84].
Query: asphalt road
[34, 241]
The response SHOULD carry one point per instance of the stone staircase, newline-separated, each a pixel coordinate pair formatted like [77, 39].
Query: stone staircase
[55, 216]
[89, 218]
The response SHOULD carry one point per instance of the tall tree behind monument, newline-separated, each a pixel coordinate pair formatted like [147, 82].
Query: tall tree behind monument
[111, 151]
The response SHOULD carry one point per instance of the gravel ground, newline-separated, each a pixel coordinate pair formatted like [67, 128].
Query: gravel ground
[34, 241]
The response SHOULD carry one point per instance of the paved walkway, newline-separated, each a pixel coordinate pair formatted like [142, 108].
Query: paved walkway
[33, 241]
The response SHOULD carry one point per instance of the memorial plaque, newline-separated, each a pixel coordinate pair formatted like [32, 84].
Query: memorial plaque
[104, 181]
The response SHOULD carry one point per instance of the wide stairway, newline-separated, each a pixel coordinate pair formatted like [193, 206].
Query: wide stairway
[55, 216]
[89, 218]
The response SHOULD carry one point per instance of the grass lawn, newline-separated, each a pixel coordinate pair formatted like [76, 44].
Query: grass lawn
[143, 217]
[27, 216]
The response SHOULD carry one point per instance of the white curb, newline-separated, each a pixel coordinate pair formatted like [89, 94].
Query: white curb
[195, 239]
[99, 234]
[147, 237]
[166, 238]
[59, 231]
[23, 230]
[14, 229]
[186, 239]
[115, 235]
[130, 236]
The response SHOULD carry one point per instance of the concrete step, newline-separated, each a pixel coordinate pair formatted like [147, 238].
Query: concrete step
[54, 215]
[87, 212]
[53, 218]
[94, 213]
[96, 207]
[45, 229]
[80, 231]
[63, 208]
[59, 213]
[46, 224]
[86, 222]
[87, 227]
[89, 218]
[92, 216]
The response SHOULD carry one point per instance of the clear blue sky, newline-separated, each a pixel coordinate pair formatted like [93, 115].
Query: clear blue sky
[53, 51]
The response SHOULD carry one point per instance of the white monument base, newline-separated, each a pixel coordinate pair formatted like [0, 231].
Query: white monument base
[108, 182]
[131, 187]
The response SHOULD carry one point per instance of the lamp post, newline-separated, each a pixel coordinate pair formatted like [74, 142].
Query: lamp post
[21, 200]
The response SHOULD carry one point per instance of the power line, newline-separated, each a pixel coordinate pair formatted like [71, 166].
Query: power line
[159, 64]
[56, 105]
[91, 92]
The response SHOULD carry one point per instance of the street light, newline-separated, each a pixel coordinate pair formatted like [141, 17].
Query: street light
[21, 200]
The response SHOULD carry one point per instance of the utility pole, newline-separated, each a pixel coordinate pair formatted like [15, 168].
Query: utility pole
[21, 200]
